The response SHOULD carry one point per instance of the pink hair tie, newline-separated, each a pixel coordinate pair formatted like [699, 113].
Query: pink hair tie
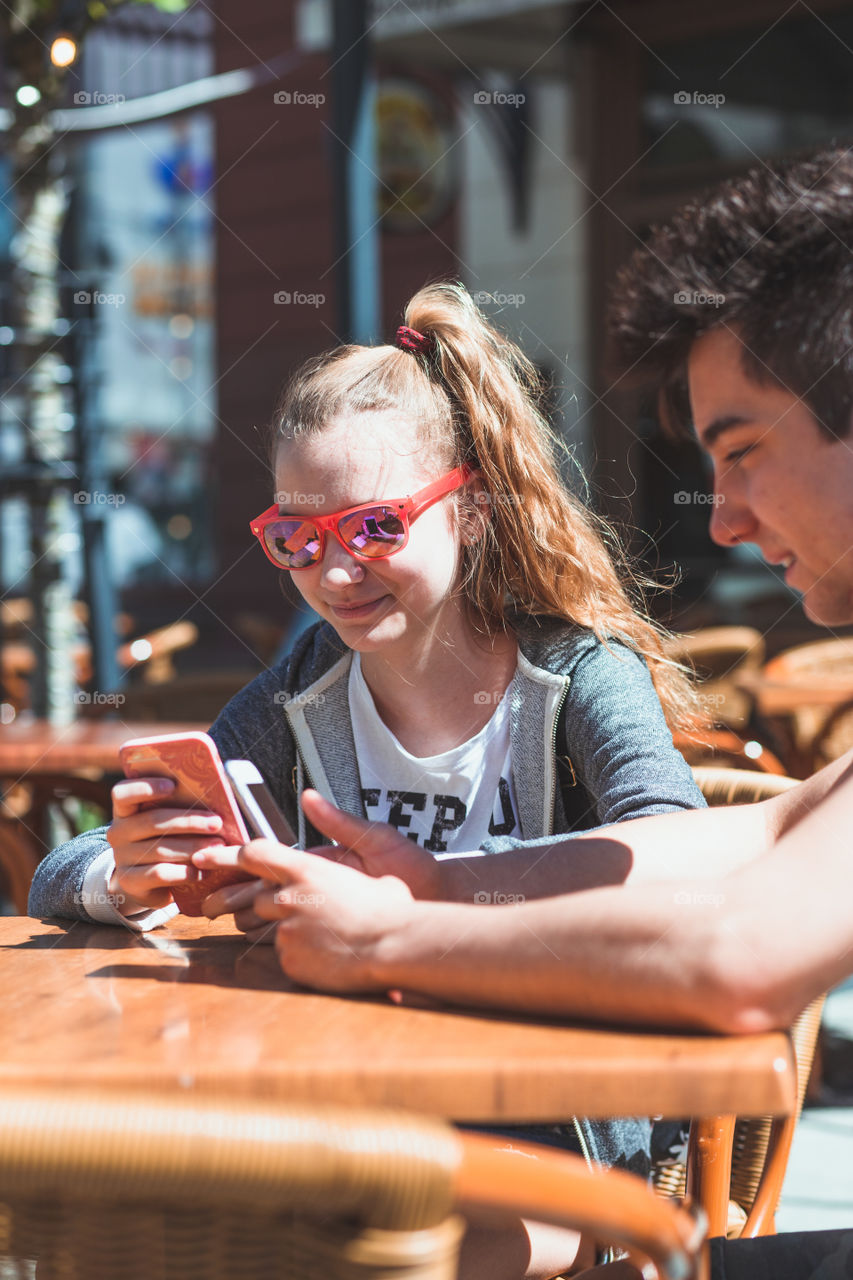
[410, 340]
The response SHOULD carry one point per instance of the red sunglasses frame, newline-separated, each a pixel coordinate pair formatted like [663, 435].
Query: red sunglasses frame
[407, 508]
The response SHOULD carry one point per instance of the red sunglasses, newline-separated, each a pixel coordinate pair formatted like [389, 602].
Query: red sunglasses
[373, 531]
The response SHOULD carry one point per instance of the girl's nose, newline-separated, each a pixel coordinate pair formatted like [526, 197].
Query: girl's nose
[340, 567]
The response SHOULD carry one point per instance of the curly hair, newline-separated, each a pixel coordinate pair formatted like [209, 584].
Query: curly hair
[475, 396]
[768, 255]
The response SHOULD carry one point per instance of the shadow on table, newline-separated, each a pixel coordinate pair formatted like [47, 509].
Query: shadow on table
[227, 960]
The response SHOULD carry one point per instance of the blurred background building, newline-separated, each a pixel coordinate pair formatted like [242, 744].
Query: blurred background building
[523, 147]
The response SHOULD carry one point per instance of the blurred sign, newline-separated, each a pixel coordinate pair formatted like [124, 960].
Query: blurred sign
[414, 144]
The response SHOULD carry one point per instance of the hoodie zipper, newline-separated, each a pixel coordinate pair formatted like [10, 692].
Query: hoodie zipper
[583, 1142]
[560, 705]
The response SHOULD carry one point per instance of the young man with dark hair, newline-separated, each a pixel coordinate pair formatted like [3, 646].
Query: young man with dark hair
[741, 311]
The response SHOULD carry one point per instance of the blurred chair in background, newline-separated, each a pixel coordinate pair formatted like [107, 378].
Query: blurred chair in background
[805, 695]
[721, 657]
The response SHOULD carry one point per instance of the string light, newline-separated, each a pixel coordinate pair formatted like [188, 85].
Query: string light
[63, 51]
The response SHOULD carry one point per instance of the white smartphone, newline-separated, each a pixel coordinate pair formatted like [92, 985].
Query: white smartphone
[256, 803]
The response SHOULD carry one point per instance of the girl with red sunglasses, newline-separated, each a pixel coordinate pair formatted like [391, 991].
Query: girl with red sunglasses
[479, 672]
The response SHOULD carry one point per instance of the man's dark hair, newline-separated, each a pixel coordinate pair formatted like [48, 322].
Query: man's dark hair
[769, 255]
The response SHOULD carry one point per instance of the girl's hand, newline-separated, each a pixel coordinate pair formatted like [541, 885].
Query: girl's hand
[375, 848]
[152, 847]
[331, 918]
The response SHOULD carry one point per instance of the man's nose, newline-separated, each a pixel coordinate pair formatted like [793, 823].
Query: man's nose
[732, 520]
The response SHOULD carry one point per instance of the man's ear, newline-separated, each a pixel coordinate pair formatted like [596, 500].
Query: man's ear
[474, 510]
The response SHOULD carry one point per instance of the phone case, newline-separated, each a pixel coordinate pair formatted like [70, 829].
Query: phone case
[193, 761]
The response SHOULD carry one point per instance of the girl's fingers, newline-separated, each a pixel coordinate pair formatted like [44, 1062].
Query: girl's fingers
[178, 850]
[148, 823]
[130, 793]
[150, 884]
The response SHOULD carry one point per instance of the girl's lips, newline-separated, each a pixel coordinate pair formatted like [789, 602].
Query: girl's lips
[356, 610]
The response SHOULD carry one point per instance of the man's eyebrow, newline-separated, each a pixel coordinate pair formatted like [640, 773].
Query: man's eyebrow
[712, 433]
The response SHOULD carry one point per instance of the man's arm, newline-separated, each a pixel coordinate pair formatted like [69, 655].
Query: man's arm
[739, 953]
[716, 842]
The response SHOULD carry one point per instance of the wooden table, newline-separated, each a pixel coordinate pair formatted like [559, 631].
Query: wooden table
[28, 745]
[42, 765]
[194, 1007]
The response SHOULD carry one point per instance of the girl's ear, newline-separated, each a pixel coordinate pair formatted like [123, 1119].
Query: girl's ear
[475, 510]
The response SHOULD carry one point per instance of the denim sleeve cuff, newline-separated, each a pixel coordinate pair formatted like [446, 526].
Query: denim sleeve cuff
[100, 904]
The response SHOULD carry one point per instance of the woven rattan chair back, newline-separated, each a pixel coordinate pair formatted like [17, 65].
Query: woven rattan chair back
[192, 1190]
[757, 1172]
[144, 1190]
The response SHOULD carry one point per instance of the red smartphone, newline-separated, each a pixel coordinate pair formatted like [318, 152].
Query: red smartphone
[192, 760]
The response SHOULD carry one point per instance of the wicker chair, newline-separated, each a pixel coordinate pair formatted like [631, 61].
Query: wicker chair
[814, 734]
[194, 1189]
[750, 1154]
[719, 656]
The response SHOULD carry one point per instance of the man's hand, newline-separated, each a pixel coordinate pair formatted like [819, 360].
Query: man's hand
[375, 848]
[331, 918]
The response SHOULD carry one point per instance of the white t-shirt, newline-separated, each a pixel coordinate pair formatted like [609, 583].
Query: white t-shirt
[452, 801]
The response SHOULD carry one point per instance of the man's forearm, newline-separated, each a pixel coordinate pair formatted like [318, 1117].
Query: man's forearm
[705, 842]
[634, 955]
[741, 953]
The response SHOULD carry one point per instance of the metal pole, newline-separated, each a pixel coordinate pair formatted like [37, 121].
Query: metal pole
[354, 165]
[98, 588]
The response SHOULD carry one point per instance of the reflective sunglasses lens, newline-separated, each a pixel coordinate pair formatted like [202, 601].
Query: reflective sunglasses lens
[373, 531]
[292, 543]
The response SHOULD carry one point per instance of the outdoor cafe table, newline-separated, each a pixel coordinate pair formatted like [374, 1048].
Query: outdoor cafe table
[44, 763]
[194, 1007]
